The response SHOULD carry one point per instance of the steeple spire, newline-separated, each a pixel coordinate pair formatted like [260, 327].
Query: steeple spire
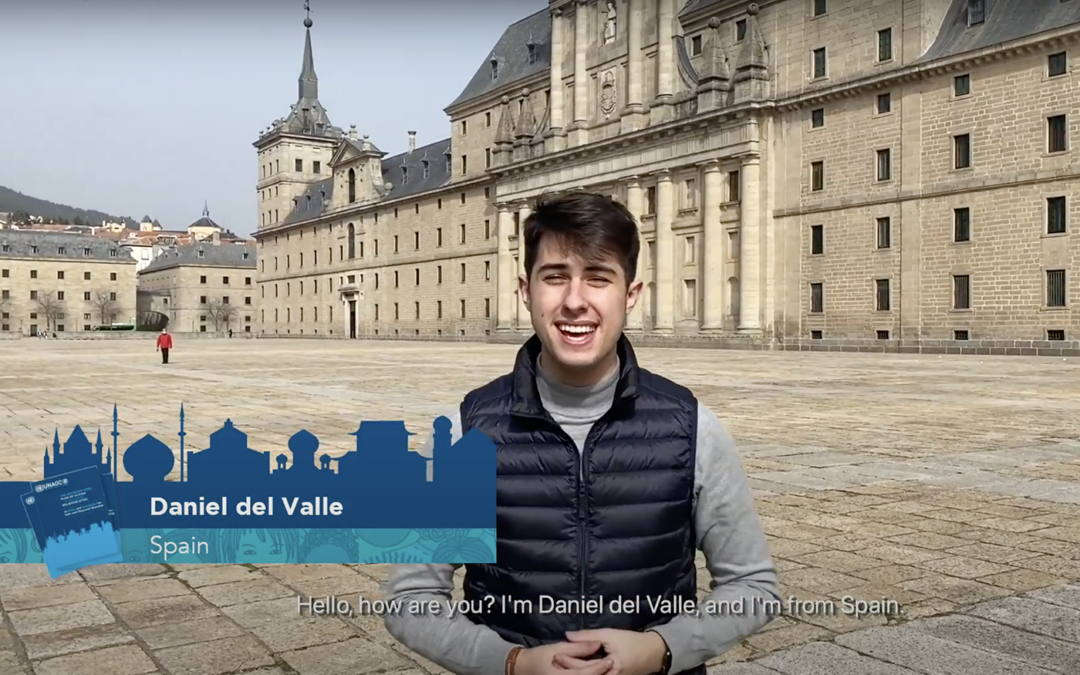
[309, 81]
[205, 209]
[307, 116]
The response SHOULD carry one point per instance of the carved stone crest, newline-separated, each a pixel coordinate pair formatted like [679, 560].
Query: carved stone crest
[608, 94]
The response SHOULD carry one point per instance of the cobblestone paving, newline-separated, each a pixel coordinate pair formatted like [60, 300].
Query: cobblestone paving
[950, 485]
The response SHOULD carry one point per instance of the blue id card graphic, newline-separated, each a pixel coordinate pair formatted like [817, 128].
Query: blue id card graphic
[73, 521]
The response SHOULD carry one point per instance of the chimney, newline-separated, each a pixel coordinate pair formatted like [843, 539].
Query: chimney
[412, 141]
[215, 238]
[352, 132]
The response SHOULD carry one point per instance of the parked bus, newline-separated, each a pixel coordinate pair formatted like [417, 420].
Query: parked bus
[129, 327]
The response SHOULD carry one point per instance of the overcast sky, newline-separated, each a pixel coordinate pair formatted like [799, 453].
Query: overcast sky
[137, 107]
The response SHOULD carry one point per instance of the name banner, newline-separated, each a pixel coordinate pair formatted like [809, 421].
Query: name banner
[379, 503]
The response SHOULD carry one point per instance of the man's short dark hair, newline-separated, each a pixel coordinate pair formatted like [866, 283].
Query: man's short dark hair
[584, 224]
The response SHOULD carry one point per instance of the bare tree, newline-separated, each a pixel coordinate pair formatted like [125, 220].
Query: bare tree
[221, 313]
[106, 306]
[50, 307]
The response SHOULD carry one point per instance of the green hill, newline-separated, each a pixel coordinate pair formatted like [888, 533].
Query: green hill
[22, 206]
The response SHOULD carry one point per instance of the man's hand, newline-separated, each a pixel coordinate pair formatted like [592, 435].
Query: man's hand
[630, 652]
[544, 660]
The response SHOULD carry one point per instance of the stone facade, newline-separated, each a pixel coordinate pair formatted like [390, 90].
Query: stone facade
[202, 288]
[63, 282]
[894, 171]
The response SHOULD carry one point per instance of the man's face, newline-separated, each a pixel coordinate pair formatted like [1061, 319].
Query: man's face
[578, 310]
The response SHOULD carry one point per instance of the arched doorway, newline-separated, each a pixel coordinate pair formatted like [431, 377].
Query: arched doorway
[151, 321]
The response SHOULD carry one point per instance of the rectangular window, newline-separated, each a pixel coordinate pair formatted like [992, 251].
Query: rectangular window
[884, 165]
[1056, 288]
[819, 63]
[961, 85]
[1056, 213]
[817, 298]
[962, 151]
[817, 176]
[961, 291]
[884, 232]
[819, 7]
[976, 12]
[817, 239]
[962, 224]
[817, 118]
[884, 103]
[733, 186]
[1057, 134]
[883, 299]
[884, 44]
[1057, 64]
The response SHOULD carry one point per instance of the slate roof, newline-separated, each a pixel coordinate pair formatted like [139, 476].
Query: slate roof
[316, 199]
[205, 221]
[223, 255]
[60, 246]
[1006, 20]
[512, 54]
[695, 6]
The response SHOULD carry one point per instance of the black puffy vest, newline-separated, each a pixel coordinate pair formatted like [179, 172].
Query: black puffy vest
[624, 530]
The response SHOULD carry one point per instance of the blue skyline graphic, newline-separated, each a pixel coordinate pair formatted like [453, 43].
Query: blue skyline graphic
[380, 485]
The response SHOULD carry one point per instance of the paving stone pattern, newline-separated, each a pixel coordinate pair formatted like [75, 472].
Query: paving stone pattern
[947, 485]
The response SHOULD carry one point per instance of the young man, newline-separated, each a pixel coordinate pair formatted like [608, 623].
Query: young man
[609, 478]
[164, 344]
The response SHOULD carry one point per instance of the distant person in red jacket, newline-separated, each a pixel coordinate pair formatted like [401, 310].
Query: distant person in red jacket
[164, 344]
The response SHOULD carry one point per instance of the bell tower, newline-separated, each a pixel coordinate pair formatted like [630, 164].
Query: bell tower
[295, 150]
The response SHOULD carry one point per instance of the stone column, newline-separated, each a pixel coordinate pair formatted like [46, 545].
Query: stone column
[523, 321]
[635, 203]
[713, 273]
[750, 246]
[665, 52]
[579, 130]
[665, 253]
[556, 133]
[632, 115]
[344, 307]
[506, 281]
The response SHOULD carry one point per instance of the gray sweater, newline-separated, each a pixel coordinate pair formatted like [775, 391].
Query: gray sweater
[729, 535]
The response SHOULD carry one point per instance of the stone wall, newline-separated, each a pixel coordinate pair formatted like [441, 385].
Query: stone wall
[870, 346]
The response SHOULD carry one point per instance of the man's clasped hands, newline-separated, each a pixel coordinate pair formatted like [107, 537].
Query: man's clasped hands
[626, 653]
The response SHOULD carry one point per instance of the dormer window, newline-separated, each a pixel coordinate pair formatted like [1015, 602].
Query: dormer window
[532, 52]
[202, 253]
[86, 251]
[60, 250]
[976, 10]
[404, 175]
[7, 248]
[112, 253]
[246, 255]
[494, 68]
[33, 249]
[427, 169]
[449, 164]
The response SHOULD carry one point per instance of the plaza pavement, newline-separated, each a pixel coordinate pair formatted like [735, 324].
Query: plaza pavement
[950, 485]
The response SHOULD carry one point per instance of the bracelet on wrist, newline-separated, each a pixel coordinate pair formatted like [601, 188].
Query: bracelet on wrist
[511, 660]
